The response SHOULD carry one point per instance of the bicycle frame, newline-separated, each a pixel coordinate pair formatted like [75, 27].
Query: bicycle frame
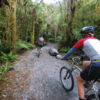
[74, 64]
[92, 84]
[38, 52]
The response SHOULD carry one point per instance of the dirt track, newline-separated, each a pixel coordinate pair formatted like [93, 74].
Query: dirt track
[36, 79]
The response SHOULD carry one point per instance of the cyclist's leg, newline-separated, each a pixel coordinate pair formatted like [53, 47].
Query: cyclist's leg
[39, 46]
[40, 50]
[80, 81]
[86, 64]
[80, 85]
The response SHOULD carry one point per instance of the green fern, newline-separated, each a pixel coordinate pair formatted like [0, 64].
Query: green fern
[8, 57]
[24, 45]
[64, 49]
[4, 68]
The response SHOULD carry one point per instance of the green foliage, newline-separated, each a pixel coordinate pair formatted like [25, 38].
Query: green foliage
[25, 19]
[64, 49]
[7, 57]
[4, 68]
[85, 15]
[2, 78]
[4, 23]
[24, 45]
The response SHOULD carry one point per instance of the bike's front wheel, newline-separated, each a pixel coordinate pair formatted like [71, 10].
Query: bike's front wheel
[67, 79]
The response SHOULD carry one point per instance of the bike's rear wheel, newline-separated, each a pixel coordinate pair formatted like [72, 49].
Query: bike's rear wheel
[67, 79]
[92, 97]
[39, 52]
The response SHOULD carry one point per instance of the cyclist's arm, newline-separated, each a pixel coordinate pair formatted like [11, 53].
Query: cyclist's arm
[78, 45]
[71, 51]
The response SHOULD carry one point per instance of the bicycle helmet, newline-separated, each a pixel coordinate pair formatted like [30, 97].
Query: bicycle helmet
[87, 29]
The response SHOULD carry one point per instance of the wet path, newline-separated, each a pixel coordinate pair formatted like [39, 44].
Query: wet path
[36, 79]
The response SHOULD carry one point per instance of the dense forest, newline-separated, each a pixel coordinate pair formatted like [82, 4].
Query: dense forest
[23, 21]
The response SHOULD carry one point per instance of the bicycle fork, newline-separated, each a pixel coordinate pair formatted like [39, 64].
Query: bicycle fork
[68, 75]
[95, 89]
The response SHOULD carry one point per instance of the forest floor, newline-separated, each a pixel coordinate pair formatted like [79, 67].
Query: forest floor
[35, 78]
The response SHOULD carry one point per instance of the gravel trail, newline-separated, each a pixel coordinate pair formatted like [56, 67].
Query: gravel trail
[36, 78]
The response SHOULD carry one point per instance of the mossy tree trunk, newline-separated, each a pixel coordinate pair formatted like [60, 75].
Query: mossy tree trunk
[13, 25]
[70, 16]
[33, 32]
[32, 38]
[4, 29]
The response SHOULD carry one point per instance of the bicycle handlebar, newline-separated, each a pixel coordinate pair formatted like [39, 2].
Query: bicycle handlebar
[74, 59]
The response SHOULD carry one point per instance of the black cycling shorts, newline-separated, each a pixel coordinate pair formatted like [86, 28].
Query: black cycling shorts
[92, 72]
[40, 44]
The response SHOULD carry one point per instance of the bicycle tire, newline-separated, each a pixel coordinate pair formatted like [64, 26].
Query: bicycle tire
[92, 97]
[39, 53]
[68, 83]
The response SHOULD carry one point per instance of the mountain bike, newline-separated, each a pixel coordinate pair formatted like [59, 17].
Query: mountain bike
[39, 52]
[67, 80]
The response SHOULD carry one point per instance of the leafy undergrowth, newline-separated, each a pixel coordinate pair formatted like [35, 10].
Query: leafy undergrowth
[4, 68]
[8, 57]
[64, 49]
[5, 61]
[22, 45]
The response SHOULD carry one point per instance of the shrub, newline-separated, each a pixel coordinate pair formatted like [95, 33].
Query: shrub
[23, 45]
[4, 68]
[7, 57]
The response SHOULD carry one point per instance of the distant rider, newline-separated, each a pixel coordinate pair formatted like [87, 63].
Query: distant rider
[40, 41]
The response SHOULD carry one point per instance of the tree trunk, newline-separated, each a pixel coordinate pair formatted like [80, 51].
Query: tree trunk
[33, 32]
[32, 37]
[69, 20]
[13, 25]
[4, 29]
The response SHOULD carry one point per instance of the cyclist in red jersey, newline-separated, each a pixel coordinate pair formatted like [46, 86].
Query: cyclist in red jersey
[91, 48]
